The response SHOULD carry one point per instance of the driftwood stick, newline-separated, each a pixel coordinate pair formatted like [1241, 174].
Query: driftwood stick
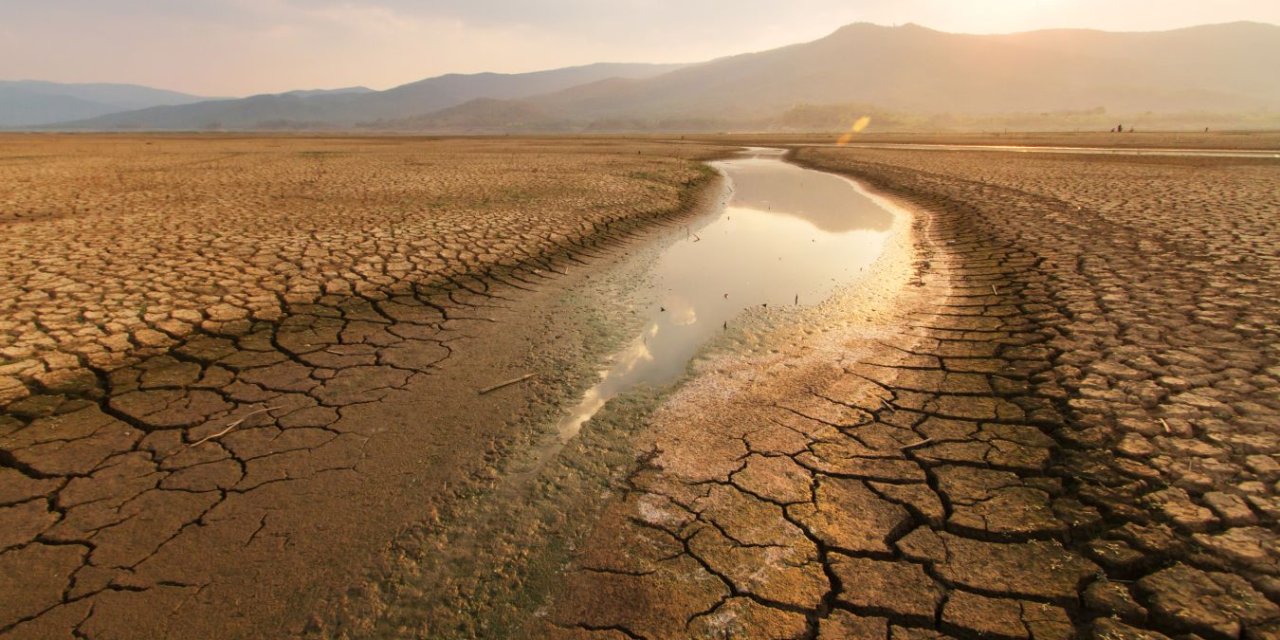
[917, 445]
[506, 384]
[231, 426]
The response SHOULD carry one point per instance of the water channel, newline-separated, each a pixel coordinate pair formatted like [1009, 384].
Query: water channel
[786, 236]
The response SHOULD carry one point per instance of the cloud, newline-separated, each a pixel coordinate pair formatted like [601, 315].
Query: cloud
[236, 47]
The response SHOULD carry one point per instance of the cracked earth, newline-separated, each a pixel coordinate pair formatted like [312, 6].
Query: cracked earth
[1065, 426]
[228, 367]
[233, 369]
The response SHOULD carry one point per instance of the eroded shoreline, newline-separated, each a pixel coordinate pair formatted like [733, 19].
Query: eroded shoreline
[1036, 446]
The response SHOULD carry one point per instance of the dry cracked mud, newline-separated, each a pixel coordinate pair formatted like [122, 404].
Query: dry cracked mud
[233, 368]
[1065, 426]
[231, 374]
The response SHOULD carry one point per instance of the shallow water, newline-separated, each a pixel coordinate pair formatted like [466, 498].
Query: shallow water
[786, 236]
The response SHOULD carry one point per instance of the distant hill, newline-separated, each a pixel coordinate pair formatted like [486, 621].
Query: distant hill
[32, 102]
[485, 115]
[903, 76]
[307, 93]
[911, 68]
[350, 108]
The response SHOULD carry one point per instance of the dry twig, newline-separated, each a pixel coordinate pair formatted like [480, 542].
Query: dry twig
[231, 426]
[917, 445]
[506, 384]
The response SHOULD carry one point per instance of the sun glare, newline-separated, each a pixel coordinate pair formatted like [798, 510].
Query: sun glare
[858, 126]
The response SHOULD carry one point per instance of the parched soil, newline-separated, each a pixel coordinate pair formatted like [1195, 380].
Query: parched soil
[233, 369]
[1063, 426]
[1223, 140]
[118, 247]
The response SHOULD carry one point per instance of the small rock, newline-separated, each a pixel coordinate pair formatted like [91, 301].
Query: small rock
[152, 338]
[1231, 508]
[1178, 507]
[226, 313]
[1115, 555]
[1112, 629]
[1215, 605]
[1112, 598]
[1252, 547]
[12, 389]
[1264, 466]
[1268, 506]
[1135, 446]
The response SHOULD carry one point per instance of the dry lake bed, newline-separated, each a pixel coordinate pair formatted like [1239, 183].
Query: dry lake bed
[599, 387]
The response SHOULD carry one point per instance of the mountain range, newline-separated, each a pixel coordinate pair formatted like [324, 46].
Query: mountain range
[350, 108]
[32, 102]
[860, 67]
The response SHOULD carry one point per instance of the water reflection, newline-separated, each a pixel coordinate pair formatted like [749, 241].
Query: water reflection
[765, 184]
[787, 236]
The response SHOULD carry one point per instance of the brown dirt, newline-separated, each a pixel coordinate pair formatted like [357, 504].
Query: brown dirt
[236, 368]
[1064, 426]
[1241, 140]
[1050, 412]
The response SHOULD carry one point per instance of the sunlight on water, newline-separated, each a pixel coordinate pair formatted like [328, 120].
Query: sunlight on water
[787, 236]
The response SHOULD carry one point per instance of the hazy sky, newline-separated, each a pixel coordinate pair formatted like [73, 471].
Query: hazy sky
[238, 47]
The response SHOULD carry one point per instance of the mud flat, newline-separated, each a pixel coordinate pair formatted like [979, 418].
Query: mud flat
[1211, 140]
[1045, 410]
[233, 369]
[1063, 425]
[783, 240]
[1177, 152]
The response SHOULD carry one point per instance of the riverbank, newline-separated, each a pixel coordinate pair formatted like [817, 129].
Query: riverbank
[1061, 431]
[725, 284]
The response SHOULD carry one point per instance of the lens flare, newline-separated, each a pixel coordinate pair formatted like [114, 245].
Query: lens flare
[858, 126]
